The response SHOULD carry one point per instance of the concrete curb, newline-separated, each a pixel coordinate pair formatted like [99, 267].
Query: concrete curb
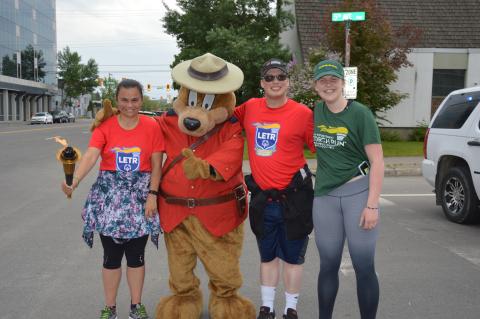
[395, 167]
[403, 171]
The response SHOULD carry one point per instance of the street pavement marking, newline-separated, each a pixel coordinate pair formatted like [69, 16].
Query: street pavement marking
[42, 129]
[385, 202]
[346, 266]
[472, 255]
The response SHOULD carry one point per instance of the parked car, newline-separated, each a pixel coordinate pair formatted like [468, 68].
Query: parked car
[452, 155]
[148, 113]
[71, 118]
[60, 116]
[42, 118]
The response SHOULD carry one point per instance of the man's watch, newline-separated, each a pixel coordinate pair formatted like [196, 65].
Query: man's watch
[153, 192]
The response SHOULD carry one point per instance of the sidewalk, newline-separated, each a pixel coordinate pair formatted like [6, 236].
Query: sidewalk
[394, 166]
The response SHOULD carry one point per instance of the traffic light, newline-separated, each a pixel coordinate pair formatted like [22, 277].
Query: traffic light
[149, 87]
[168, 87]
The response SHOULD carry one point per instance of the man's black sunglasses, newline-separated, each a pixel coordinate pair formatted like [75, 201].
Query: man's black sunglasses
[270, 78]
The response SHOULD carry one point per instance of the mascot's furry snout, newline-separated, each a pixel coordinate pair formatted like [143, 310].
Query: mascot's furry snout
[191, 124]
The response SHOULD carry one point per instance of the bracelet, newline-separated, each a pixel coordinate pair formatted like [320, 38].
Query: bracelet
[374, 208]
[75, 177]
[153, 192]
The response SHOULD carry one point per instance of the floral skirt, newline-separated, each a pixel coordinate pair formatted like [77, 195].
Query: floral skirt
[115, 207]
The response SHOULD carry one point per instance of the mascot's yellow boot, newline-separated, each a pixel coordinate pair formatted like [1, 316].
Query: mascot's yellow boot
[219, 256]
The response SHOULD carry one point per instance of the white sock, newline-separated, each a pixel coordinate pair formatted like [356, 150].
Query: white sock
[291, 301]
[268, 296]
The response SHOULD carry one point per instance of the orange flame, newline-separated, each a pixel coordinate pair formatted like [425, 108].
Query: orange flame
[59, 140]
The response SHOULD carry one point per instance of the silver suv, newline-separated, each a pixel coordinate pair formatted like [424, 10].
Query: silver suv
[452, 155]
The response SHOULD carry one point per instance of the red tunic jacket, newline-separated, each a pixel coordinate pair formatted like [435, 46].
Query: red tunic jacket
[223, 151]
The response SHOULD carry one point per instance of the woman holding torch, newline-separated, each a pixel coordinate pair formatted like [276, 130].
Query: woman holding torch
[122, 204]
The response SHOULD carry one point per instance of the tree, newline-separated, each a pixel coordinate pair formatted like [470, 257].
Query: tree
[376, 49]
[243, 32]
[9, 66]
[301, 76]
[78, 78]
[28, 64]
[108, 90]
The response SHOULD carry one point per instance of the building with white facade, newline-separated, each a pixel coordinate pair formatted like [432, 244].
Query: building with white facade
[446, 58]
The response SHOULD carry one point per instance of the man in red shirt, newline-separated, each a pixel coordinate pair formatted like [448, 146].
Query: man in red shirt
[277, 128]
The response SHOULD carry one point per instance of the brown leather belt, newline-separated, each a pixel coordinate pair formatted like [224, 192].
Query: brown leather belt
[238, 193]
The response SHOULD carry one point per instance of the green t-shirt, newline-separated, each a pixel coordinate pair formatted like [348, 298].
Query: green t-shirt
[339, 140]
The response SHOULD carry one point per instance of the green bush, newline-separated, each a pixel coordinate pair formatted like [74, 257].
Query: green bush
[390, 136]
[418, 133]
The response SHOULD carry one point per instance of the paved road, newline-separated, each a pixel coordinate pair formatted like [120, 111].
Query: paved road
[428, 267]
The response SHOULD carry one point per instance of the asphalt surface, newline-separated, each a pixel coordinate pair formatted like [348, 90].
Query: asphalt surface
[427, 267]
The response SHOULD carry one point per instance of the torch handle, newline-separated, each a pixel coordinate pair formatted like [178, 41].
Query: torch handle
[69, 179]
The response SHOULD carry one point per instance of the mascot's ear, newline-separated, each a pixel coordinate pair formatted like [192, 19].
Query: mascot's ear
[227, 101]
[181, 101]
[106, 112]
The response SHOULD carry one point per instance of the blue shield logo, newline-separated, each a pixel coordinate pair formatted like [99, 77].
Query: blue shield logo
[128, 161]
[266, 138]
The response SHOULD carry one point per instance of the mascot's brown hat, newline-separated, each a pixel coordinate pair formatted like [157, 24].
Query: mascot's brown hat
[208, 74]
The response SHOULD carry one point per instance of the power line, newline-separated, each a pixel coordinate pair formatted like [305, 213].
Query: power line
[134, 65]
[133, 71]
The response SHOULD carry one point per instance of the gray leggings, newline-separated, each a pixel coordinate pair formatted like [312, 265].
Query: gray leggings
[336, 216]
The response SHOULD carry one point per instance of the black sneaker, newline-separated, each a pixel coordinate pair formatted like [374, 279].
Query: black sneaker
[265, 313]
[291, 314]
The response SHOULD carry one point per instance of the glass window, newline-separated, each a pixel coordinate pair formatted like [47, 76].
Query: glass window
[456, 110]
[446, 81]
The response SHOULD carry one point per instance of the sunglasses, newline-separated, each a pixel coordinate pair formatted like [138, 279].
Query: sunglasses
[270, 78]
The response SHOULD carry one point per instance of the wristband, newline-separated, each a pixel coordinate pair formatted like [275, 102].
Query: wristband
[153, 192]
[374, 208]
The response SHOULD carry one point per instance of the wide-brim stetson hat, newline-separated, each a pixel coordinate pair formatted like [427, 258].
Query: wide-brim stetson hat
[208, 74]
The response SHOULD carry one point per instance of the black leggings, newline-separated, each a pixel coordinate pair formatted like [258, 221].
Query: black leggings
[134, 250]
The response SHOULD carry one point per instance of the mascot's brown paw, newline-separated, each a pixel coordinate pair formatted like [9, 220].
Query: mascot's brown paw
[194, 167]
[180, 307]
[237, 307]
[103, 114]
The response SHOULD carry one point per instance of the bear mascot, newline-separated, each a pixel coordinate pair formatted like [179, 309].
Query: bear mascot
[202, 198]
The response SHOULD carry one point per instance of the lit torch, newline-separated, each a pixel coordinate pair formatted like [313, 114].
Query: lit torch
[68, 156]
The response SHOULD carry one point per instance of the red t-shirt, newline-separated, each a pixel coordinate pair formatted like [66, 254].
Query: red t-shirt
[127, 150]
[276, 138]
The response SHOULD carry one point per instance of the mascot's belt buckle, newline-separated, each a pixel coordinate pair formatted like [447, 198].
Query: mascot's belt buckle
[239, 192]
[191, 202]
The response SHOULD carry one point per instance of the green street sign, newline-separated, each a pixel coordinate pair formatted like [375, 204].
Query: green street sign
[344, 16]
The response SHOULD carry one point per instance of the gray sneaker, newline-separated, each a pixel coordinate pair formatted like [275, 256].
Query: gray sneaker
[108, 313]
[138, 312]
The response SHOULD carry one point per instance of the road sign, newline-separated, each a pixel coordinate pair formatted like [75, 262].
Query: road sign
[350, 77]
[351, 16]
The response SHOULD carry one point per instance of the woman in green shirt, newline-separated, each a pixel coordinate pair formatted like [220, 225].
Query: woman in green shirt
[347, 190]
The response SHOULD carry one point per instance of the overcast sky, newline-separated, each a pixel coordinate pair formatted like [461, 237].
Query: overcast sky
[125, 38]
